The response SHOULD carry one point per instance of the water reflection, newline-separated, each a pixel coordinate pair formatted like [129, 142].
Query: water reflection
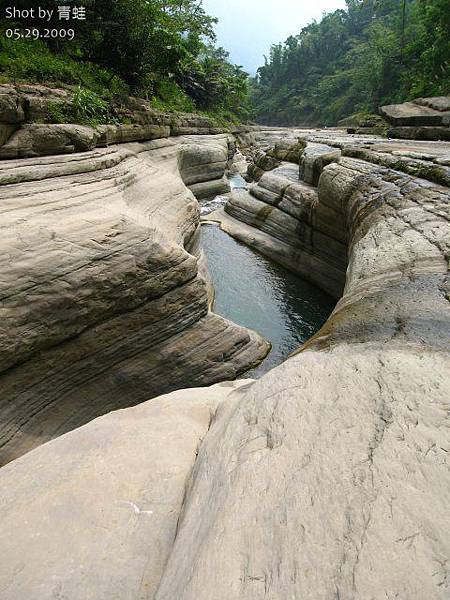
[258, 294]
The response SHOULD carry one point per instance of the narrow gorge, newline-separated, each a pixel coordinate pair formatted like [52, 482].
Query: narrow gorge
[105, 303]
[324, 477]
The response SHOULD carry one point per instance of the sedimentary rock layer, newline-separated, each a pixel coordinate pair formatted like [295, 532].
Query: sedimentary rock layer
[28, 127]
[421, 111]
[330, 477]
[327, 478]
[420, 119]
[282, 217]
[121, 498]
[102, 301]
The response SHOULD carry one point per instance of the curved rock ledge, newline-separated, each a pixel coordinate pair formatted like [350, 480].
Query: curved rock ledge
[327, 478]
[101, 304]
[27, 127]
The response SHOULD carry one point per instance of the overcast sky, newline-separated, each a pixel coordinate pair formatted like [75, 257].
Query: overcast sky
[247, 28]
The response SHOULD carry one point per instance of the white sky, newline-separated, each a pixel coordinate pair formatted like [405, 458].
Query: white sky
[247, 28]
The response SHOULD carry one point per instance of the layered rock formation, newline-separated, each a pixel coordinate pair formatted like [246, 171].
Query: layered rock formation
[327, 478]
[127, 521]
[287, 219]
[420, 119]
[104, 303]
[30, 123]
[202, 168]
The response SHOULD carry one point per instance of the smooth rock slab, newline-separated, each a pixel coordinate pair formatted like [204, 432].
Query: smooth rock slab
[422, 111]
[93, 515]
[326, 479]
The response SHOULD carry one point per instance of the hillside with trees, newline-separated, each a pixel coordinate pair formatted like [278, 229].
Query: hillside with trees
[161, 50]
[376, 52]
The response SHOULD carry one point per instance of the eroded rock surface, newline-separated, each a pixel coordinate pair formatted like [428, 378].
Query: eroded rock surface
[328, 477]
[102, 301]
[30, 123]
[112, 497]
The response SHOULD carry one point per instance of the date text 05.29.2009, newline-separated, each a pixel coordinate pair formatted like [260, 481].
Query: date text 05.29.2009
[36, 34]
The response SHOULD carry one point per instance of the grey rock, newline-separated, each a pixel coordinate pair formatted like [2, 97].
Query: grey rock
[209, 189]
[441, 103]
[41, 140]
[115, 491]
[11, 111]
[103, 304]
[6, 131]
[315, 157]
[420, 112]
[116, 134]
[326, 478]
[199, 163]
[39, 105]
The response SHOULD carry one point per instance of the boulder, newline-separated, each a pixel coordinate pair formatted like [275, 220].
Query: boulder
[199, 162]
[202, 169]
[41, 140]
[419, 112]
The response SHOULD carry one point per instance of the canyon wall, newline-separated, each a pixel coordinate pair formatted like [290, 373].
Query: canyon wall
[104, 291]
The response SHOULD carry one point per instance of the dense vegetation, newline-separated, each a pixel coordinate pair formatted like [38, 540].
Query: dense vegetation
[352, 61]
[374, 53]
[162, 50]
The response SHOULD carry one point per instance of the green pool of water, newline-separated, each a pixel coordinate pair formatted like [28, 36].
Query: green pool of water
[256, 293]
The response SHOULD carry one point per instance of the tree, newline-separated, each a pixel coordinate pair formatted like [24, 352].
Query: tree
[375, 52]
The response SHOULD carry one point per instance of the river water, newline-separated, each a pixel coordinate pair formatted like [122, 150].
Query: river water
[254, 292]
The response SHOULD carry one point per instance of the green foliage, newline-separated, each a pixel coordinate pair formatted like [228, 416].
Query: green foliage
[214, 83]
[374, 53]
[56, 113]
[170, 96]
[157, 49]
[30, 60]
[88, 108]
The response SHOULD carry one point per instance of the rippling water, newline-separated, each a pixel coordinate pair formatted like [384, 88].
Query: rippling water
[236, 181]
[254, 292]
